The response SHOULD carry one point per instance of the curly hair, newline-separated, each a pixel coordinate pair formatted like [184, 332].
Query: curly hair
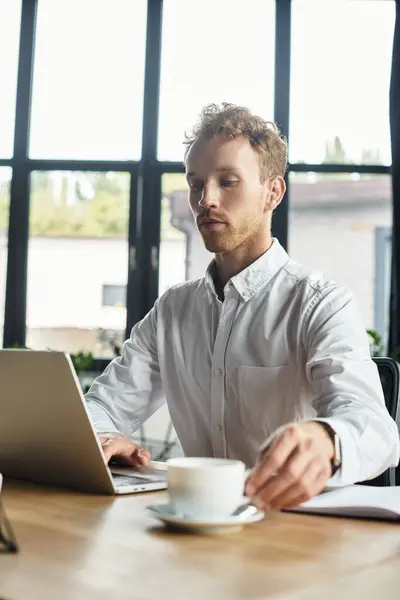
[229, 122]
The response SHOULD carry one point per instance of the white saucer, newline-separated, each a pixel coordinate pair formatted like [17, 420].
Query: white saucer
[165, 513]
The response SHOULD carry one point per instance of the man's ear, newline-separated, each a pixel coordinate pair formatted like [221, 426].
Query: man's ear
[277, 189]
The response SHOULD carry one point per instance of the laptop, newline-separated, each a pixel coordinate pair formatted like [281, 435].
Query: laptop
[46, 434]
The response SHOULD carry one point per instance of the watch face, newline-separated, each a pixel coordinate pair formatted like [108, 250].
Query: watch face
[337, 459]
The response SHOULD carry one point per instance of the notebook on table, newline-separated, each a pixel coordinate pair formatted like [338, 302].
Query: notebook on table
[356, 501]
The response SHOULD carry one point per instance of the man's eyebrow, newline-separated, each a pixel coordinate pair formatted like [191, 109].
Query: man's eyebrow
[219, 170]
[227, 170]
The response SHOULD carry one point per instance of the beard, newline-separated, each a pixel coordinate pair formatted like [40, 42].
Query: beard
[219, 242]
[230, 237]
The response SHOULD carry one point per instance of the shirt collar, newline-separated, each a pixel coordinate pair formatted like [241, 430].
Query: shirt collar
[256, 275]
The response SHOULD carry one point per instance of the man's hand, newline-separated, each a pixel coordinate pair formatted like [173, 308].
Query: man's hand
[117, 446]
[294, 468]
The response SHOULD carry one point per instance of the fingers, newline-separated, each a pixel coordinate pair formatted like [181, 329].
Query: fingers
[295, 467]
[143, 457]
[310, 485]
[107, 448]
[120, 447]
[272, 461]
[293, 471]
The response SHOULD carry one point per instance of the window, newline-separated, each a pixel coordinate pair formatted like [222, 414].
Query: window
[5, 179]
[340, 73]
[383, 269]
[182, 254]
[114, 295]
[88, 79]
[334, 226]
[78, 244]
[10, 16]
[213, 52]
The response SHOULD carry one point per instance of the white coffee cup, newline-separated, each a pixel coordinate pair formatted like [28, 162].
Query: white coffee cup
[205, 488]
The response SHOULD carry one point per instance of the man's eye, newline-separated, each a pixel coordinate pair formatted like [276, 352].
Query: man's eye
[228, 182]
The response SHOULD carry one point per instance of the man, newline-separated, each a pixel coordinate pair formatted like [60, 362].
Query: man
[262, 359]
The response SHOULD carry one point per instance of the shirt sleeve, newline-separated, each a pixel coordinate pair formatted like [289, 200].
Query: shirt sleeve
[347, 390]
[130, 390]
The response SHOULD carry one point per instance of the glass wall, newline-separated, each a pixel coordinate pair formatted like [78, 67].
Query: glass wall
[88, 79]
[87, 98]
[5, 179]
[340, 72]
[182, 253]
[10, 17]
[339, 115]
[78, 261]
[213, 51]
[334, 223]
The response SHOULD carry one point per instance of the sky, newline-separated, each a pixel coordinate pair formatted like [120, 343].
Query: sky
[89, 70]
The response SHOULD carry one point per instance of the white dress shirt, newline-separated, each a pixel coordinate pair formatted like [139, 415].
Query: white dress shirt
[283, 346]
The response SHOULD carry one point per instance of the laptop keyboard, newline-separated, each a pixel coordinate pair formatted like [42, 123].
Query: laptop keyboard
[129, 480]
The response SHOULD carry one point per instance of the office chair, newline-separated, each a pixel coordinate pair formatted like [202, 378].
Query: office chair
[389, 373]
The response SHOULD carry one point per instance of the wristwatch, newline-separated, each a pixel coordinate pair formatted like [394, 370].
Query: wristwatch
[336, 460]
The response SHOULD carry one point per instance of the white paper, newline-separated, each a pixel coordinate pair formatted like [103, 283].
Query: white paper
[356, 501]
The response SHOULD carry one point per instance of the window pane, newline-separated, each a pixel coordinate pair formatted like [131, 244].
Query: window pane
[341, 62]
[182, 254]
[114, 295]
[78, 246]
[5, 179]
[10, 17]
[231, 61]
[335, 224]
[88, 79]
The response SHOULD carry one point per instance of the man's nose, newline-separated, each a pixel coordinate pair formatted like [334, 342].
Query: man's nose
[209, 197]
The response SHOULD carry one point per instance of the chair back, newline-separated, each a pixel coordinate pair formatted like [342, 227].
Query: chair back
[389, 373]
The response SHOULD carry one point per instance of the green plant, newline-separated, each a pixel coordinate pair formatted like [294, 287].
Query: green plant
[377, 346]
[82, 361]
[376, 343]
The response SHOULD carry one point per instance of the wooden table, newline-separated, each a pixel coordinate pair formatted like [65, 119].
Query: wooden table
[76, 546]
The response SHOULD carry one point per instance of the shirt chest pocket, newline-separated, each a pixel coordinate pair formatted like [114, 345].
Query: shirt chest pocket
[266, 399]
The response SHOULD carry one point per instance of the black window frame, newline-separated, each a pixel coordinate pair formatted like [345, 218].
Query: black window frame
[146, 173]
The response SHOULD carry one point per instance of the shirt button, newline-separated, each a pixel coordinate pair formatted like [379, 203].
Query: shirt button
[218, 372]
[219, 427]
